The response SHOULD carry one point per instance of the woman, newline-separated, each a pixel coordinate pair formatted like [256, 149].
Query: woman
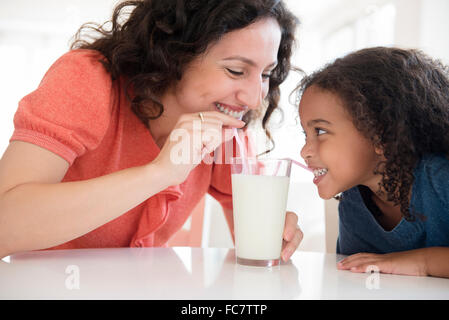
[96, 131]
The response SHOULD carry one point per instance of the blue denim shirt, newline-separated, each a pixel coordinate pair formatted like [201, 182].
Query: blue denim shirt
[359, 231]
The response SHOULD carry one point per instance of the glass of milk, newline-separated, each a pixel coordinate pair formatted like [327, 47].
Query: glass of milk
[259, 197]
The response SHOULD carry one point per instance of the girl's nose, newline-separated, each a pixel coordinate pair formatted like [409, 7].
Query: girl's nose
[307, 151]
[252, 93]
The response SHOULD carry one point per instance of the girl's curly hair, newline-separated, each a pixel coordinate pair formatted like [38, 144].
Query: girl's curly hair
[399, 99]
[152, 44]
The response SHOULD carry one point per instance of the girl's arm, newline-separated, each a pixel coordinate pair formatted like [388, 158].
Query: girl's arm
[437, 261]
[432, 261]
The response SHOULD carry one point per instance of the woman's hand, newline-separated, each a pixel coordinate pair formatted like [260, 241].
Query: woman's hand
[193, 137]
[412, 263]
[292, 236]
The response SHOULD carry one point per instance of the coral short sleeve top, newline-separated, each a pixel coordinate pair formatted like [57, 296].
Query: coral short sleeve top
[80, 114]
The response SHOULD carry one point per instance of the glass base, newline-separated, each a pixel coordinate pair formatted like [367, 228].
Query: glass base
[258, 263]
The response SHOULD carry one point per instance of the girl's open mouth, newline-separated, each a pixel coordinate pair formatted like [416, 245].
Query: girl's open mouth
[319, 175]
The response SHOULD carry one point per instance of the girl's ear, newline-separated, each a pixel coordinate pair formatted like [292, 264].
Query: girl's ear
[379, 151]
[378, 146]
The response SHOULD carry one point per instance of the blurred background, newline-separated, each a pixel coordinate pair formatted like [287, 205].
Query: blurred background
[33, 34]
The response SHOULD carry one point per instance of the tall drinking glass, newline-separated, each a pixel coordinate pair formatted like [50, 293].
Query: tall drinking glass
[259, 197]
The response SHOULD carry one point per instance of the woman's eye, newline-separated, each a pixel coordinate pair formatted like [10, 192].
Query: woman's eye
[266, 76]
[234, 72]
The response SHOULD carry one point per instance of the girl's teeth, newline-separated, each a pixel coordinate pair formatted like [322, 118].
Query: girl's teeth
[319, 172]
[235, 114]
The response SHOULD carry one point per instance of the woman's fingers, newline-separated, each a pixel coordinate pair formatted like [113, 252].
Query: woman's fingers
[290, 226]
[291, 246]
[209, 128]
[292, 235]
[194, 136]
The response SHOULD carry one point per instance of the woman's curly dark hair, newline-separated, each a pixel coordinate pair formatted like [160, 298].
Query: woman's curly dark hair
[153, 43]
[399, 99]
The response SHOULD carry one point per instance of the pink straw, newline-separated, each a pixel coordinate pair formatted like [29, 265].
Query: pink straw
[299, 164]
[241, 145]
[294, 162]
[242, 151]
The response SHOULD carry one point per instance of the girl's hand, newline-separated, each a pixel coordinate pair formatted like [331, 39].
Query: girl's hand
[412, 263]
[191, 139]
[292, 235]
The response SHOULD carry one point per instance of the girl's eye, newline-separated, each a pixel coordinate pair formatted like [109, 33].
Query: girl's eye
[320, 131]
[234, 72]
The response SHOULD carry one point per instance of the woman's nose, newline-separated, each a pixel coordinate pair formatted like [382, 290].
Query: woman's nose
[253, 93]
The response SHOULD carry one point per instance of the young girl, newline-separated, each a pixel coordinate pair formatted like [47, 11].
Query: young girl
[377, 131]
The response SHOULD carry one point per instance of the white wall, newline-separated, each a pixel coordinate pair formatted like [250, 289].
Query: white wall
[423, 24]
[33, 34]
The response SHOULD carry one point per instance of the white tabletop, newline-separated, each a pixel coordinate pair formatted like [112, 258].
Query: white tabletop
[196, 273]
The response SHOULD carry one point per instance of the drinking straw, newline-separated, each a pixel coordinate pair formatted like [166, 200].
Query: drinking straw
[245, 168]
[299, 164]
[294, 162]
[241, 146]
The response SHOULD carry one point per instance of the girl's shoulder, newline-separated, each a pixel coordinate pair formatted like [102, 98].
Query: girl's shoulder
[434, 164]
[432, 177]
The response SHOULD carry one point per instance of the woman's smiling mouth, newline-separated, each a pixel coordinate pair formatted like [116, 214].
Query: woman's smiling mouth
[236, 112]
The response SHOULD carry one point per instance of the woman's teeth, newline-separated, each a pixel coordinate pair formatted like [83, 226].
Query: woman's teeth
[319, 172]
[235, 114]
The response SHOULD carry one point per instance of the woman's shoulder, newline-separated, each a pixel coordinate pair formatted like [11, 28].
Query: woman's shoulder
[78, 73]
[80, 62]
[82, 55]
[72, 106]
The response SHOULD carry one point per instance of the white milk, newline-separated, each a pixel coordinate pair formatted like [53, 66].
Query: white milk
[259, 214]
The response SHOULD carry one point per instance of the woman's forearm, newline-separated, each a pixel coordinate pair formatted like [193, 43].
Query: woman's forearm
[437, 261]
[37, 216]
